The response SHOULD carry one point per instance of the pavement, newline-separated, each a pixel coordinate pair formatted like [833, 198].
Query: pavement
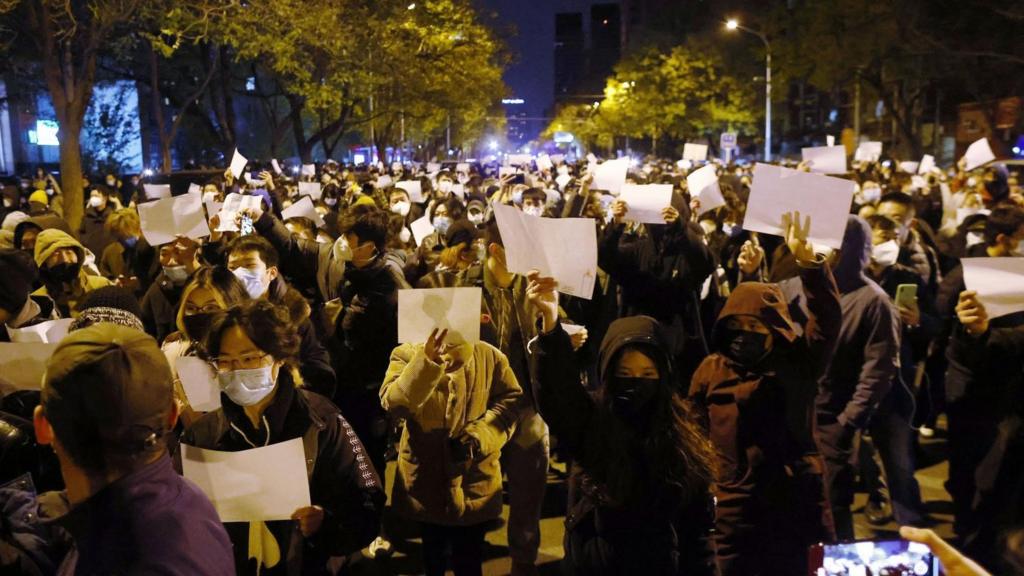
[932, 471]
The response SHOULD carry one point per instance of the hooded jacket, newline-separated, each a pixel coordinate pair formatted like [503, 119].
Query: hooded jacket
[41, 222]
[66, 296]
[866, 361]
[93, 233]
[664, 528]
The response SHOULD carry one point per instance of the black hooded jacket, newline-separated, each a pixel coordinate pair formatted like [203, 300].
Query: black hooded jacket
[665, 529]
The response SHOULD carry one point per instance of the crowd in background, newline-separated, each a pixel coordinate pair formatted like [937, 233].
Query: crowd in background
[727, 394]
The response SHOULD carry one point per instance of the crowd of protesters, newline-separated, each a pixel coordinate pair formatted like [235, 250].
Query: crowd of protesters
[727, 394]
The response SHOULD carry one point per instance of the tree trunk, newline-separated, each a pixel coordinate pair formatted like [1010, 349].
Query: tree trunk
[302, 146]
[71, 170]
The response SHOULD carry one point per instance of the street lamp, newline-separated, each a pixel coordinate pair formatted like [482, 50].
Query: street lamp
[732, 24]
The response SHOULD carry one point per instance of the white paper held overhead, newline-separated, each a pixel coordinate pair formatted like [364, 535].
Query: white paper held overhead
[825, 159]
[311, 189]
[233, 204]
[999, 283]
[978, 154]
[421, 228]
[926, 165]
[454, 309]
[164, 219]
[238, 163]
[776, 191]
[156, 191]
[611, 175]
[695, 152]
[646, 201]
[703, 185]
[303, 207]
[414, 188]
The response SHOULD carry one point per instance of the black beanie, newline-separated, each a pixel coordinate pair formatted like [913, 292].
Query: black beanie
[19, 273]
[109, 304]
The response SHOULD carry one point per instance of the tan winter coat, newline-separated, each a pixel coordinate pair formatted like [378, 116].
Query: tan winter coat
[478, 398]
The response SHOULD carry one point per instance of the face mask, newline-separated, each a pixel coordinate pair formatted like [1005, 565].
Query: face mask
[247, 387]
[517, 197]
[405, 235]
[330, 201]
[871, 194]
[728, 228]
[630, 397]
[886, 253]
[973, 239]
[475, 217]
[95, 201]
[197, 325]
[62, 272]
[209, 197]
[401, 208]
[111, 181]
[8, 203]
[129, 242]
[444, 186]
[253, 281]
[747, 348]
[342, 251]
[537, 211]
[49, 192]
[176, 274]
[441, 224]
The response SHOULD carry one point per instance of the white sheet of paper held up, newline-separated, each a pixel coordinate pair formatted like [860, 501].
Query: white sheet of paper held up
[275, 165]
[703, 185]
[695, 152]
[238, 163]
[156, 191]
[433, 167]
[267, 483]
[308, 170]
[462, 167]
[49, 332]
[454, 309]
[199, 381]
[311, 189]
[776, 191]
[926, 165]
[193, 187]
[421, 228]
[999, 283]
[544, 162]
[22, 365]
[610, 175]
[562, 248]
[978, 154]
[825, 159]
[869, 151]
[414, 188]
[646, 201]
[303, 207]
[233, 204]
[572, 329]
[163, 219]
[830, 140]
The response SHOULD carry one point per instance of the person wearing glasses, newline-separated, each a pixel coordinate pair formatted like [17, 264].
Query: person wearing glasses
[253, 348]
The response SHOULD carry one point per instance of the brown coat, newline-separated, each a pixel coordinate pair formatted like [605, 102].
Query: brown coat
[478, 399]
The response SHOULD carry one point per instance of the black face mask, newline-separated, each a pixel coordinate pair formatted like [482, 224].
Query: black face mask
[630, 397]
[197, 325]
[746, 348]
[63, 273]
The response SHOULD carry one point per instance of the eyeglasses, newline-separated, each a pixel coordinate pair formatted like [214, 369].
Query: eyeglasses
[204, 309]
[247, 362]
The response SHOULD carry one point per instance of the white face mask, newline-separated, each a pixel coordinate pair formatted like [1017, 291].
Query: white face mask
[973, 239]
[330, 201]
[537, 211]
[253, 281]
[111, 181]
[401, 208]
[8, 203]
[886, 253]
[247, 387]
[405, 235]
[871, 194]
[176, 274]
[444, 186]
[95, 201]
[475, 217]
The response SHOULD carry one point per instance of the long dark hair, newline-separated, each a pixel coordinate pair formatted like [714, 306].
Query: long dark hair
[672, 456]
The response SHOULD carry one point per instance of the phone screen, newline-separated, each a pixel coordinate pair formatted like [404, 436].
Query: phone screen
[246, 227]
[872, 557]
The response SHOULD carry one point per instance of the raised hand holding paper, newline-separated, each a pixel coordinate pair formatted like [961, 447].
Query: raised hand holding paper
[266, 483]
[868, 152]
[776, 191]
[303, 207]
[164, 219]
[646, 201]
[156, 191]
[456, 310]
[999, 283]
[695, 152]
[825, 159]
[421, 228]
[978, 154]
[703, 185]
[309, 169]
[926, 165]
[561, 248]
[233, 204]
[611, 175]
[238, 163]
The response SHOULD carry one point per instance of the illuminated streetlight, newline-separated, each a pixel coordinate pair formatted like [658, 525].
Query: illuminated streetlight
[412, 6]
[493, 145]
[732, 24]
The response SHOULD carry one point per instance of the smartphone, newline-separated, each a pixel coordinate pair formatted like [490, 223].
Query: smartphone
[246, 227]
[872, 557]
[906, 295]
[519, 178]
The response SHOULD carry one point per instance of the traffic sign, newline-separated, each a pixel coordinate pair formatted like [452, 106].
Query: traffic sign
[727, 141]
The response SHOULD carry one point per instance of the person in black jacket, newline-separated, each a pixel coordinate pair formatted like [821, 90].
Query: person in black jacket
[660, 270]
[254, 350]
[639, 492]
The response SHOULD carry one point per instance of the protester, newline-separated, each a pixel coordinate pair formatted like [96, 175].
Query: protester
[19, 308]
[93, 234]
[459, 404]
[178, 262]
[254, 350]
[639, 496]
[107, 409]
[61, 260]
